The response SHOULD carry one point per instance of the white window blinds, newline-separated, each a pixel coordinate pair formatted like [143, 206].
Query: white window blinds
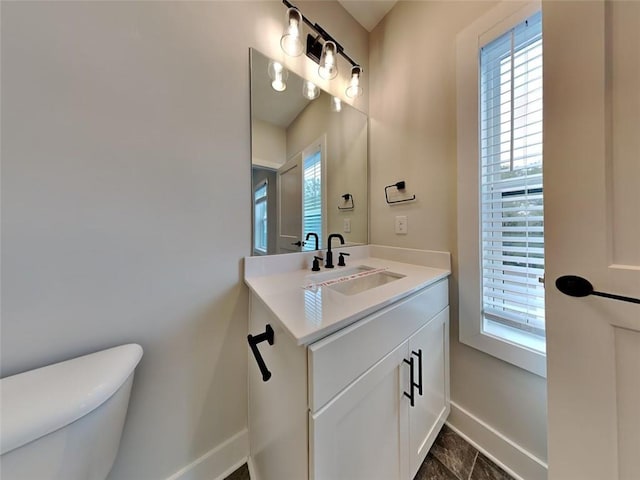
[260, 217]
[312, 201]
[511, 178]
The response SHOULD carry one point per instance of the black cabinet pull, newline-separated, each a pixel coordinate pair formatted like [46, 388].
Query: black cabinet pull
[253, 343]
[575, 286]
[419, 384]
[411, 395]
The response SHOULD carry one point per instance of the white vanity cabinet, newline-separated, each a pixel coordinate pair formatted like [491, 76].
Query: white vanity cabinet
[339, 408]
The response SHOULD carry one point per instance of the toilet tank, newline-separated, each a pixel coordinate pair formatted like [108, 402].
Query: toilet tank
[65, 420]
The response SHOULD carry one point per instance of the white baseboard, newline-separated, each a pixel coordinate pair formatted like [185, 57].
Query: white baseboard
[224, 459]
[252, 471]
[219, 462]
[514, 459]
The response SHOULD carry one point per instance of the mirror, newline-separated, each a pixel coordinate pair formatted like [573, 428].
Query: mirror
[309, 164]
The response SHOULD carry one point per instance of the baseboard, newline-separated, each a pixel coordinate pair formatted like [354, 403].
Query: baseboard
[252, 471]
[514, 459]
[219, 462]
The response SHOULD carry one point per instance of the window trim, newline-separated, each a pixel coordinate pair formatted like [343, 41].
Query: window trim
[527, 353]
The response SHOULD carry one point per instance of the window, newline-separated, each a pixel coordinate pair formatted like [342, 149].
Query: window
[312, 196]
[512, 223]
[260, 218]
[500, 187]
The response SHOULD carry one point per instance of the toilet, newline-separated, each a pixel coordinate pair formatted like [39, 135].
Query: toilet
[64, 421]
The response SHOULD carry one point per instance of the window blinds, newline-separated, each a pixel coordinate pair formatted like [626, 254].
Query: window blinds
[512, 223]
[312, 202]
[260, 218]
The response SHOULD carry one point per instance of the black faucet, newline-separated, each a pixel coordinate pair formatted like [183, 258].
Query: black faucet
[315, 236]
[329, 258]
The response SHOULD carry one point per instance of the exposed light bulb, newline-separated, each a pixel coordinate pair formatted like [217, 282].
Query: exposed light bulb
[278, 76]
[354, 89]
[336, 104]
[328, 68]
[290, 40]
[310, 90]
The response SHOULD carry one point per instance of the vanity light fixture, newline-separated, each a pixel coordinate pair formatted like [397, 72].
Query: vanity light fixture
[310, 90]
[336, 104]
[354, 89]
[322, 48]
[290, 40]
[278, 75]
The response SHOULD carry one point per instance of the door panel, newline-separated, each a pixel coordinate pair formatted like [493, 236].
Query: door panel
[290, 205]
[362, 433]
[432, 407]
[627, 346]
[623, 67]
[592, 174]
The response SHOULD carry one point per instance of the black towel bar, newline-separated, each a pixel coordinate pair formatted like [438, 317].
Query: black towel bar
[399, 186]
[253, 343]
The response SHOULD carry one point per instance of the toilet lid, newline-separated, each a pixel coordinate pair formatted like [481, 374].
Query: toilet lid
[41, 401]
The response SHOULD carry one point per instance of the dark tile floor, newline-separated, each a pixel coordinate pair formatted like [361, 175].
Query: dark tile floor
[240, 474]
[450, 458]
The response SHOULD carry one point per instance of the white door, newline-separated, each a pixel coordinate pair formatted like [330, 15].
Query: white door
[362, 433]
[592, 229]
[290, 205]
[429, 348]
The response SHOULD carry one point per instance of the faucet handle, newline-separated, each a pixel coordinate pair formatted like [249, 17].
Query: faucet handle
[341, 259]
[316, 264]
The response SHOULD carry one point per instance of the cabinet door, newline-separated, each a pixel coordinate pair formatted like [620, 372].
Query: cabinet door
[362, 433]
[430, 347]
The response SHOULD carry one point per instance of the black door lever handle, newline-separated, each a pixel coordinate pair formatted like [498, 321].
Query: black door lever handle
[575, 286]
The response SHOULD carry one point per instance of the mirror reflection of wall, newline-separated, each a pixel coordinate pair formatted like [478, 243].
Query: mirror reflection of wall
[307, 155]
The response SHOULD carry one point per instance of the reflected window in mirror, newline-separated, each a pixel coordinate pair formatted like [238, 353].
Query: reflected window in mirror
[312, 207]
[260, 244]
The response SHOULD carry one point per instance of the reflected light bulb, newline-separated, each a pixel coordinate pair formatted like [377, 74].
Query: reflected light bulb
[278, 76]
[310, 90]
[336, 104]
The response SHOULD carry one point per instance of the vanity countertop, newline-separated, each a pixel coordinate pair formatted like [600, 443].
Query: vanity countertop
[310, 312]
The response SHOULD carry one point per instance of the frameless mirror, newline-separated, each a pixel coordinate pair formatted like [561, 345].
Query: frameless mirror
[309, 163]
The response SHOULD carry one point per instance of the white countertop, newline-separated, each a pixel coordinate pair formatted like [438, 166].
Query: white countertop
[310, 314]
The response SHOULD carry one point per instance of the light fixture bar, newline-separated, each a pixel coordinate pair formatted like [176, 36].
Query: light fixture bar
[322, 33]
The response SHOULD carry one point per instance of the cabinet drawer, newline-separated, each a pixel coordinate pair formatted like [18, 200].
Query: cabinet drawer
[337, 360]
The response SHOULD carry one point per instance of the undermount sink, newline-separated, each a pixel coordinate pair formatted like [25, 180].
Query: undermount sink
[364, 283]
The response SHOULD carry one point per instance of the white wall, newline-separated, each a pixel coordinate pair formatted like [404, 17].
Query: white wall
[126, 201]
[413, 138]
[269, 144]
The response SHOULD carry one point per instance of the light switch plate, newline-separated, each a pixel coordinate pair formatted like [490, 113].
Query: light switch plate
[401, 225]
[346, 225]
